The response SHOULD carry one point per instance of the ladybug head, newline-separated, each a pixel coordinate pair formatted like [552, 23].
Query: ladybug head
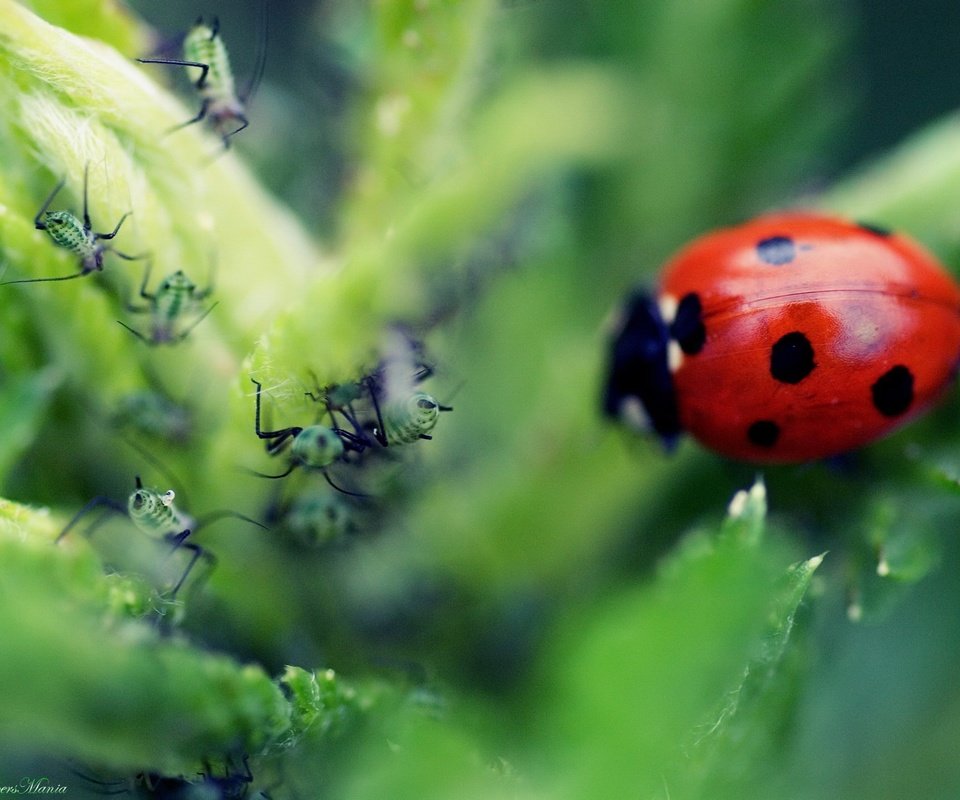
[639, 388]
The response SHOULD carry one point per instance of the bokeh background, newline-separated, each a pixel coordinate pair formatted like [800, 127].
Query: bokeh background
[553, 608]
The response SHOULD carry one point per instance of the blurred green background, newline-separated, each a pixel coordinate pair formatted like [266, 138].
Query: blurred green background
[539, 606]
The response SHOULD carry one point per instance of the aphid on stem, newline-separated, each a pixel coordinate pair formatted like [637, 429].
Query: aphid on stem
[314, 447]
[316, 518]
[397, 418]
[152, 413]
[154, 513]
[176, 298]
[221, 103]
[403, 419]
[76, 235]
[401, 413]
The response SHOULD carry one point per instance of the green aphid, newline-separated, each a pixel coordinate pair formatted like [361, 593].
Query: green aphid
[153, 414]
[399, 418]
[177, 298]
[314, 447]
[221, 103]
[154, 513]
[319, 517]
[76, 235]
[403, 414]
[406, 419]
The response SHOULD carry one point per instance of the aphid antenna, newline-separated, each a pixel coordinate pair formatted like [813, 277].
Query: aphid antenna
[211, 517]
[260, 56]
[38, 222]
[45, 280]
[86, 205]
[160, 467]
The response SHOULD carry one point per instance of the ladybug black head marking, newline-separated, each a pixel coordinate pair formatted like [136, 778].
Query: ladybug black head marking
[687, 326]
[638, 369]
[876, 230]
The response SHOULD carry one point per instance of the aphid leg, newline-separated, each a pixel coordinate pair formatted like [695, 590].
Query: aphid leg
[98, 502]
[38, 223]
[320, 395]
[130, 306]
[291, 468]
[279, 437]
[112, 233]
[352, 441]
[135, 332]
[201, 114]
[357, 440]
[127, 256]
[276, 445]
[179, 541]
[226, 137]
[184, 334]
[203, 294]
[205, 68]
[329, 480]
[379, 432]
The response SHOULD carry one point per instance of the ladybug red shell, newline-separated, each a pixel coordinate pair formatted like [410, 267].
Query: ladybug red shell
[790, 338]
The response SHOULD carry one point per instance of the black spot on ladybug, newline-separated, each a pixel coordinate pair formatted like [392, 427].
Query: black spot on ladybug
[893, 391]
[791, 358]
[777, 250]
[763, 433]
[687, 327]
[876, 230]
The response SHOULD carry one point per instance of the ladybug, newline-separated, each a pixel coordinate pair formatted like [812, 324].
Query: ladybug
[789, 338]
